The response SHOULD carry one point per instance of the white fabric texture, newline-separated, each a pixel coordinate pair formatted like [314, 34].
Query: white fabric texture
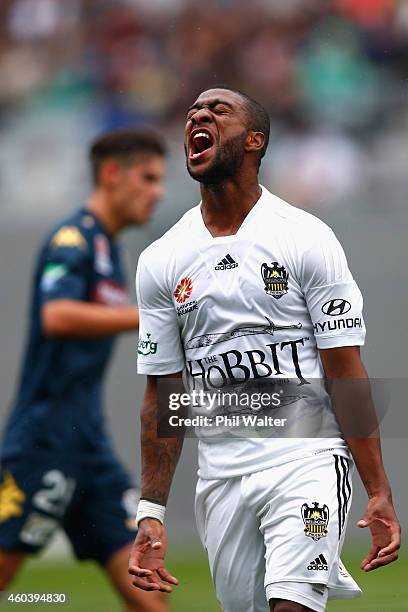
[255, 534]
[253, 306]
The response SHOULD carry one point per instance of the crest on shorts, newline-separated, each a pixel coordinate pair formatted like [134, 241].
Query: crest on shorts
[316, 519]
[275, 278]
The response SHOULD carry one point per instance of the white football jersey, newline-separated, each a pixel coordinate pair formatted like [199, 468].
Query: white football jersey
[249, 307]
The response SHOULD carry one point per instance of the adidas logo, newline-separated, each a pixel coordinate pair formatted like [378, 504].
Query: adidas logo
[319, 564]
[227, 263]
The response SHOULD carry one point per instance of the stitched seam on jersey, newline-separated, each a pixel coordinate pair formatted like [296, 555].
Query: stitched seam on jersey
[155, 309]
[139, 272]
[351, 333]
[299, 579]
[153, 363]
[322, 337]
[345, 282]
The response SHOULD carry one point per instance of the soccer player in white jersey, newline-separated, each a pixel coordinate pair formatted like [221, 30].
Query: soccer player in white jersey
[247, 288]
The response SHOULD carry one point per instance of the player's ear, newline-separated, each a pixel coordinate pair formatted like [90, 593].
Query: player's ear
[109, 173]
[255, 141]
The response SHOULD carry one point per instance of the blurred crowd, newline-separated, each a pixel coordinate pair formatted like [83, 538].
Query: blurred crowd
[332, 74]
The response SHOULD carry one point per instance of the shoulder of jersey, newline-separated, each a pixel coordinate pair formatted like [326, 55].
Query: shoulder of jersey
[302, 223]
[73, 232]
[176, 238]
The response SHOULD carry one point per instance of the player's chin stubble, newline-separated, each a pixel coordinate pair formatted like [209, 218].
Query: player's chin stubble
[226, 165]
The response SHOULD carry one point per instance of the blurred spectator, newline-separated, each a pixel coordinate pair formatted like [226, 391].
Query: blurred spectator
[367, 13]
[340, 65]
[39, 19]
[315, 167]
[335, 76]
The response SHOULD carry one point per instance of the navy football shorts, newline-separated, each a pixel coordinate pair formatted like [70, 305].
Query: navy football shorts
[89, 497]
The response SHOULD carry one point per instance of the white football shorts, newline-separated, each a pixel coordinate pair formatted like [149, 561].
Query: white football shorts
[278, 533]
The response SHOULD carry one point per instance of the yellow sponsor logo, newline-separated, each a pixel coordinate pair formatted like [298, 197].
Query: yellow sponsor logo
[68, 236]
[11, 498]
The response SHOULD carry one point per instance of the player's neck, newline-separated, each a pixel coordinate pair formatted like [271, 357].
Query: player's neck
[225, 206]
[98, 206]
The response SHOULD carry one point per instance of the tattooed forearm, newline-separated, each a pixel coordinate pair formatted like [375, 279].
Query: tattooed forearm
[159, 455]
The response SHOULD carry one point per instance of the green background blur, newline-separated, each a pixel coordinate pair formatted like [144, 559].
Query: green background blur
[385, 590]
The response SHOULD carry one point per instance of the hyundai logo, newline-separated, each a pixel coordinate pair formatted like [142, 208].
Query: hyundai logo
[334, 308]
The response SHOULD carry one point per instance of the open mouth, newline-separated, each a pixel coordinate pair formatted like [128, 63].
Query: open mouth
[200, 143]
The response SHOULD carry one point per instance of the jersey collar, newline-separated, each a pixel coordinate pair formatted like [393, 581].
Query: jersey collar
[244, 227]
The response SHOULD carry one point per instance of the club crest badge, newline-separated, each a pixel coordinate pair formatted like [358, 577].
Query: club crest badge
[316, 519]
[276, 279]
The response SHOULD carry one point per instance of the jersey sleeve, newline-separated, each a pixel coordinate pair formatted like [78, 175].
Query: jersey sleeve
[65, 267]
[332, 296]
[160, 349]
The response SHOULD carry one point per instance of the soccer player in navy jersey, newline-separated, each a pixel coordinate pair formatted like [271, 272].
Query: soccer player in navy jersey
[58, 468]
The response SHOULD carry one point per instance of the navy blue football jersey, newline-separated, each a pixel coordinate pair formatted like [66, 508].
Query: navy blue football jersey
[58, 402]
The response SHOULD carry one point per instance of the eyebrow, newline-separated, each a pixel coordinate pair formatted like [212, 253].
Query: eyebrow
[212, 103]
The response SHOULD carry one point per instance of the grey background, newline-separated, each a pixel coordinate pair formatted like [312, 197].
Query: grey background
[373, 230]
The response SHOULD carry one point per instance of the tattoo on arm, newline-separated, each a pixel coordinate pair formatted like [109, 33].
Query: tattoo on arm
[159, 455]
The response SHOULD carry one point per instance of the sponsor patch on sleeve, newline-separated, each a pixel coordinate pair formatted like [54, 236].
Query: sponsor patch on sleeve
[146, 346]
[68, 236]
[52, 273]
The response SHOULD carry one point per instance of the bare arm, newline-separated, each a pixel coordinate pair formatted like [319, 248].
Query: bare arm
[159, 455]
[77, 319]
[352, 403]
[159, 461]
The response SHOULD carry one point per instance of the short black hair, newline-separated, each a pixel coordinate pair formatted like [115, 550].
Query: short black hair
[258, 116]
[124, 146]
